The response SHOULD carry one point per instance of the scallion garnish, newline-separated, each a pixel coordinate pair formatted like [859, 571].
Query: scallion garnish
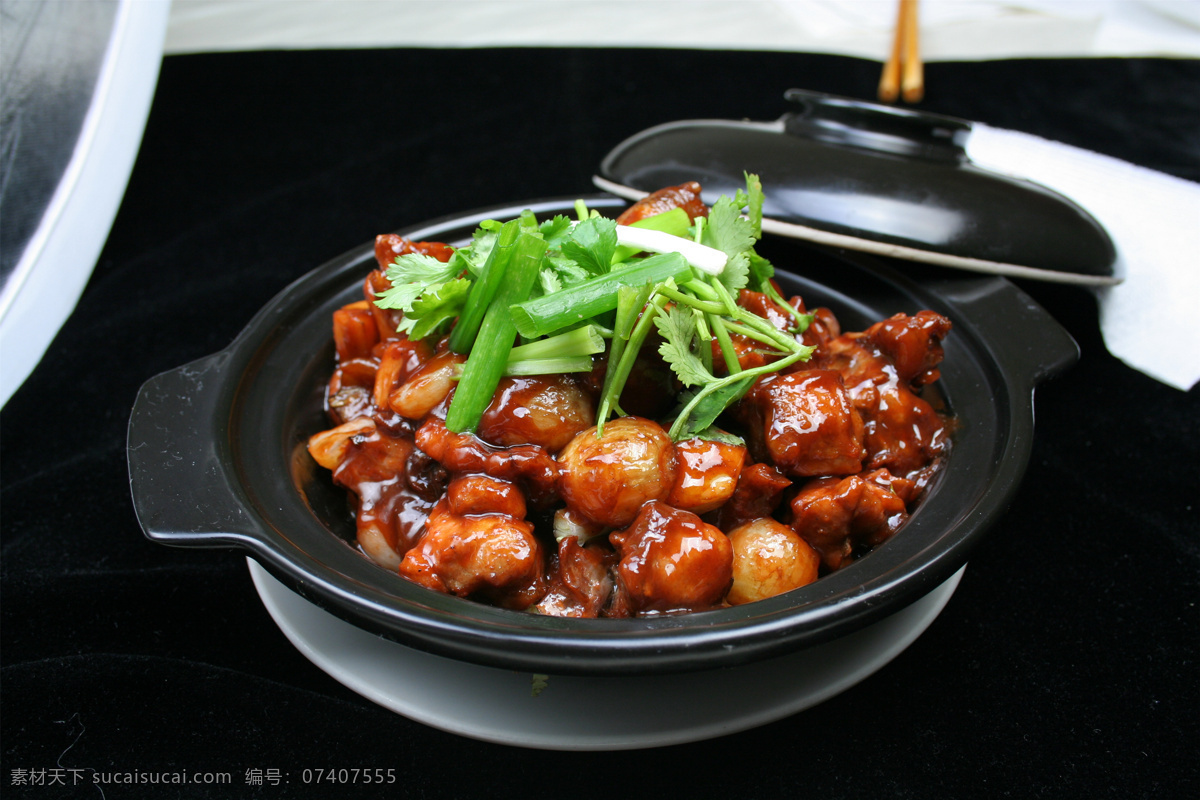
[586, 299]
[489, 355]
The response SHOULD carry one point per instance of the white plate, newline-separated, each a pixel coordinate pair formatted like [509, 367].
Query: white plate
[588, 713]
[58, 258]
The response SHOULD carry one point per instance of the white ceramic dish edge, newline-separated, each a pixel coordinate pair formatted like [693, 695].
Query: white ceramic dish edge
[579, 713]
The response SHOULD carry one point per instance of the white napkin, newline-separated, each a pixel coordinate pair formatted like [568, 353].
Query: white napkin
[1151, 321]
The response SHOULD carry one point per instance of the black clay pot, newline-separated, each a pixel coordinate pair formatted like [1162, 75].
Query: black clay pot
[217, 458]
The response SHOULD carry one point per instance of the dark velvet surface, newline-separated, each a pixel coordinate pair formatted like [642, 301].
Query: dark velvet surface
[1064, 666]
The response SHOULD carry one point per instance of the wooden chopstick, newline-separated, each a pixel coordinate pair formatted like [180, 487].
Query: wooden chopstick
[903, 74]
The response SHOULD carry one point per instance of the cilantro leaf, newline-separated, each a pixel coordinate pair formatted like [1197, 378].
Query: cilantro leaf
[761, 269]
[680, 346]
[731, 233]
[566, 271]
[697, 418]
[410, 274]
[438, 304]
[715, 434]
[555, 231]
[548, 281]
[592, 244]
[475, 255]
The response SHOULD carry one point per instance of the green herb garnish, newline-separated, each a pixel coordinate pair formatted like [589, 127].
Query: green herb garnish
[573, 288]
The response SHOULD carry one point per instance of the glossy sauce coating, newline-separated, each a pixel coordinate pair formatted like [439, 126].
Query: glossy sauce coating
[581, 582]
[608, 478]
[805, 424]
[391, 510]
[671, 560]
[547, 411]
[495, 557]
[769, 558]
[902, 431]
[838, 515]
[707, 474]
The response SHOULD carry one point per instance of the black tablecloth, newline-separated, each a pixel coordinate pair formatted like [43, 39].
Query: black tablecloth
[1064, 666]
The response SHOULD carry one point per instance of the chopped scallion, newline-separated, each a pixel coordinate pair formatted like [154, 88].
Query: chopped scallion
[584, 300]
[702, 257]
[489, 356]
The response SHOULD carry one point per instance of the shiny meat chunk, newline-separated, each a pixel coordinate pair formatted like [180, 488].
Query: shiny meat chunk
[529, 466]
[803, 423]
[837, 516]
[913, 344]
[902, 430]
[545, 410]
[758, 493]
[354, 331]
[389, 246]
[580, 583]
[671, 560]
[492, 557]
[769, 558]
[707, 474]
[685, 196]
[606, 479]
[483, 494]
[374, 466]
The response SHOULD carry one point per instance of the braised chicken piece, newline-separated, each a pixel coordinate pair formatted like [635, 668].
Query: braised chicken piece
[671, 560]
[838, 516]
[492, 556]
[913, 344]
[769, 558]
[581, 579]
[879, 368]
[529, 466]
[375, 466]
[685, 196]
[482, 494]
[607, 479]
[390, 246]
[544, 410]
[804, 423]
[758, 493]
[707, 474]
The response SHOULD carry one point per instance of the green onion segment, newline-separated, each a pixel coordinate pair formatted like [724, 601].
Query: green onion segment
[485, 365]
